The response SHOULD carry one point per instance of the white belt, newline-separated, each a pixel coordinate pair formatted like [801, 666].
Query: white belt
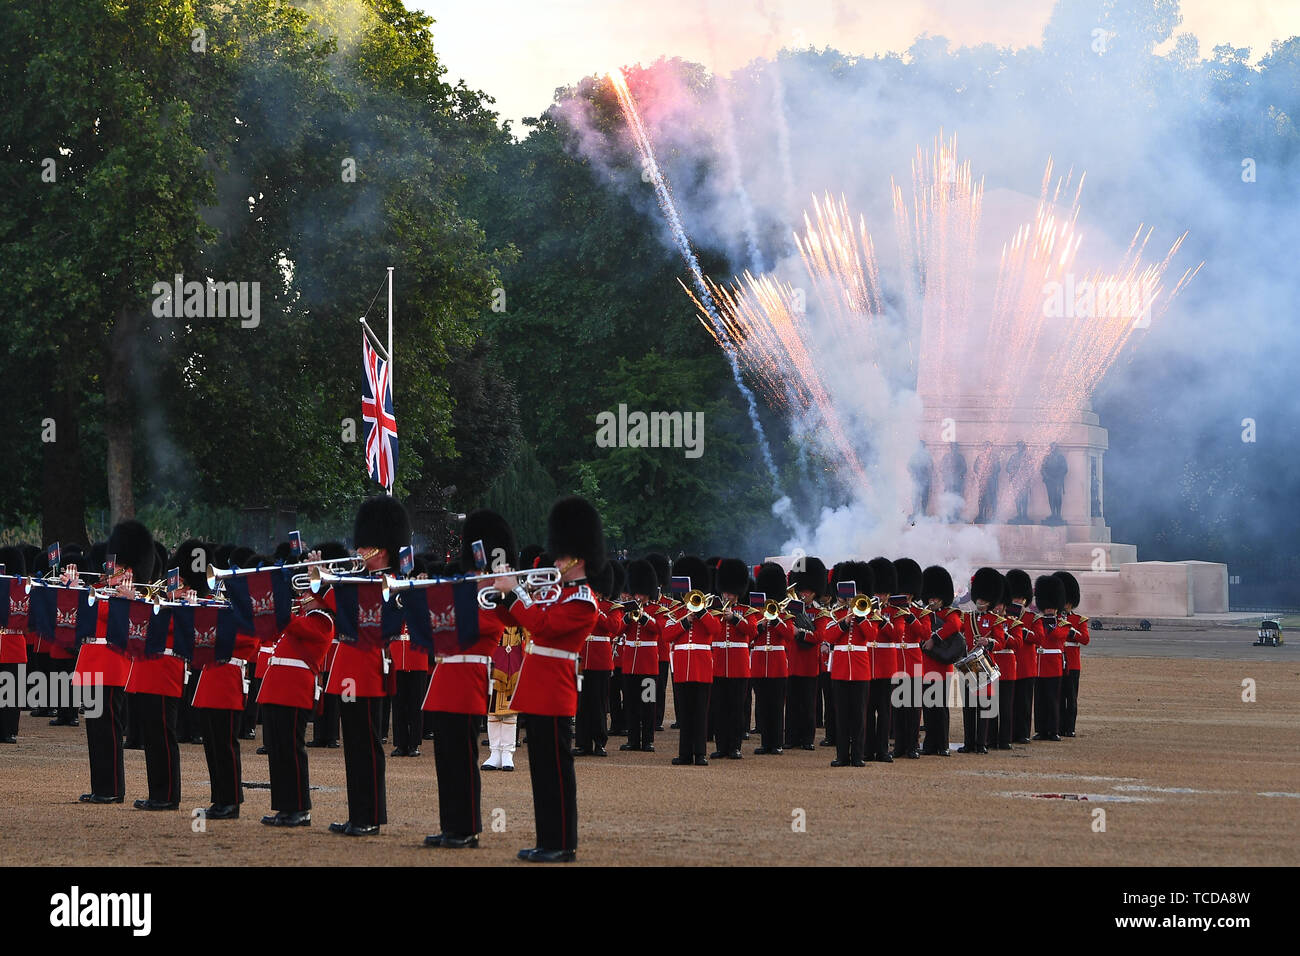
[1050, 650]
[694, 647]
[289, 662]
[403, 637]
[236, 661]
[266, 649]
[1006, 651]
[848, 647]
[640, 643]
[168, 652]
[730, 644]
[89, 640]
[896, 646]
[567, 655]
[464, 659]
[1073, 644]
[599, 639]
[768, 647]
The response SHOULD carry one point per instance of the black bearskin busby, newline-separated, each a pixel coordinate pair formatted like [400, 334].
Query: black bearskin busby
[1020, 586]
[382, 522]
[1071, 584]
[733, 577]
[573, 530]
[936, 582]
[132, 545]
[602, 582]
[811, 578]
[529, 556]
[498, 540]
[192, 558]
[662, 569]
[619, 582]
[859, 572]
[771, 581]
[884, 577]
[15, 563]
[692, 567]
[908, 573]
[331, 550]
[1049, 594]
[641, 578]
[986, 585]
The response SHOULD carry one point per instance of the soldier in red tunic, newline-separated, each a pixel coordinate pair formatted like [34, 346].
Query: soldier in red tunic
[1079, 636]
[13, 643]
[945, 621]
[981, 629]
[916, 630]
[591, 733]
[547, 693]
[769, 667]
[640, 657]
[731, 640]
[1021, 591]
[691, 637]
[1052, 630]
[850, 669]
[886, 661]
[805, 655]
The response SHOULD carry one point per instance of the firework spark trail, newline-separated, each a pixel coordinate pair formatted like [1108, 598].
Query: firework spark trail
[664, 196]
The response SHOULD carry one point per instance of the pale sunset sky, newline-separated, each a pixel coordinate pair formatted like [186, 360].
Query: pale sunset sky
[519, 51]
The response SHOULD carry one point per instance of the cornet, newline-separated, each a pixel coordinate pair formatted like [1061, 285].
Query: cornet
[694, 602]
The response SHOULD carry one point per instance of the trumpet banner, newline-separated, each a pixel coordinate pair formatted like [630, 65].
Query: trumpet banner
[361, 616]
[442, 620]
[262, 602]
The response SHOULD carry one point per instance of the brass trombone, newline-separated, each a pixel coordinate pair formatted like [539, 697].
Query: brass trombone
[693, 602]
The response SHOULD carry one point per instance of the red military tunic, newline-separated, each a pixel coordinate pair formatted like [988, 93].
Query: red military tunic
[360, 669]
[887, 651]
[460, 681]
[1006, 655]
[297, 658]
[949, 620]
[13, 640]
[731, 646]
[13, 647]
[548, 679]
[263, 661]
[976, 624]
[804, 655]
[1051, 646]
[916, 632]
[598, 651]
[767, 656]
[99, 662]
[850, 653]
[163, 675]
[692, 644]
[221, 686]
[406, 656]
[641, 645]
[1027, 652]
[1073, 657]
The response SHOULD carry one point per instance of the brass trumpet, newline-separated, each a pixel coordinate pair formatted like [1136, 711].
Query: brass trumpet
[694, 602]
[543, 583]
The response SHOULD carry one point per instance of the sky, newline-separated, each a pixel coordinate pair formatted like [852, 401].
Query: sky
[520, 51]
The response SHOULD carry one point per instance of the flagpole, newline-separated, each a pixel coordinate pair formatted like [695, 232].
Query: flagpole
[391, 382]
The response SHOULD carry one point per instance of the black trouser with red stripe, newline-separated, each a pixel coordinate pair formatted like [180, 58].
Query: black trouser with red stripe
[220, 729]
[828, 705]
[907, 716]
[934, 708]
[1069, 701]
[555, 786]
[1024, 710]
[325, 729]
[850, 701]
[691, 699]
[1047, 706]
[876, 734]
[639, 706]
[593, 703]
[729, 724]
[661, 694]
[104, 742]
[1001, 726]
[801, 712]
[363, 760]
[61, 665]
[9, 714]
[284, 730]
[975, 723]
[617, 717]
[455, 757]
[770, 711]
[248, 719]
[408, 718]
[162, 752]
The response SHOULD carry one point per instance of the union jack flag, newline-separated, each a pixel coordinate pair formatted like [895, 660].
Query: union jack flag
[377, 416]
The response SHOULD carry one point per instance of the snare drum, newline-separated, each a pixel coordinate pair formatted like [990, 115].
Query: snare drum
[978, 664]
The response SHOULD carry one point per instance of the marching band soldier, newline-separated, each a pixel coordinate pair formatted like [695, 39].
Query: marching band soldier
[886, 662]
[597, 665]
[13, 643]
[154, 685]
[358, 675]
[659, 609]
[287, 697]
[548, 691]
[980, 628]
[325, 722]
[945, 621]
[805, 655]
[1021, 591]
[411, 669]
[731, 643]
[1079, 636]
[458, 696]
[1051, 632]
[850, 664]
[640, 655]
[1002, 724]
[691, 635]
[219, 692]
[841, 572]
[617, 714]
[916, 630]
[768, 665]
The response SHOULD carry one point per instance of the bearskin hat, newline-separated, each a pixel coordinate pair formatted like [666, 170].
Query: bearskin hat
[811, 578]
[1049, 594]
[242, 557]
[908, 573]
[986, 585]
[132, 544]
[662, 569]
[602, 582]
[382, 522]
[641, 578]
[883, 575]
[1020, 586]
[733, 577]
[192, 558]
[936, 582]
[160, 558]
[331, 550]
[859, 572]
[283, 551]
[692, 567]
[221, 555]
[1071, 584]
[529, 555]
[573, 530]
[15, 563]
[95, 559]
[771, 581]
[619, 582]
[498, 540]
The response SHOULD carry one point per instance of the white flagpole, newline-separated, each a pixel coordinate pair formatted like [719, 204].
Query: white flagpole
[391, 382]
